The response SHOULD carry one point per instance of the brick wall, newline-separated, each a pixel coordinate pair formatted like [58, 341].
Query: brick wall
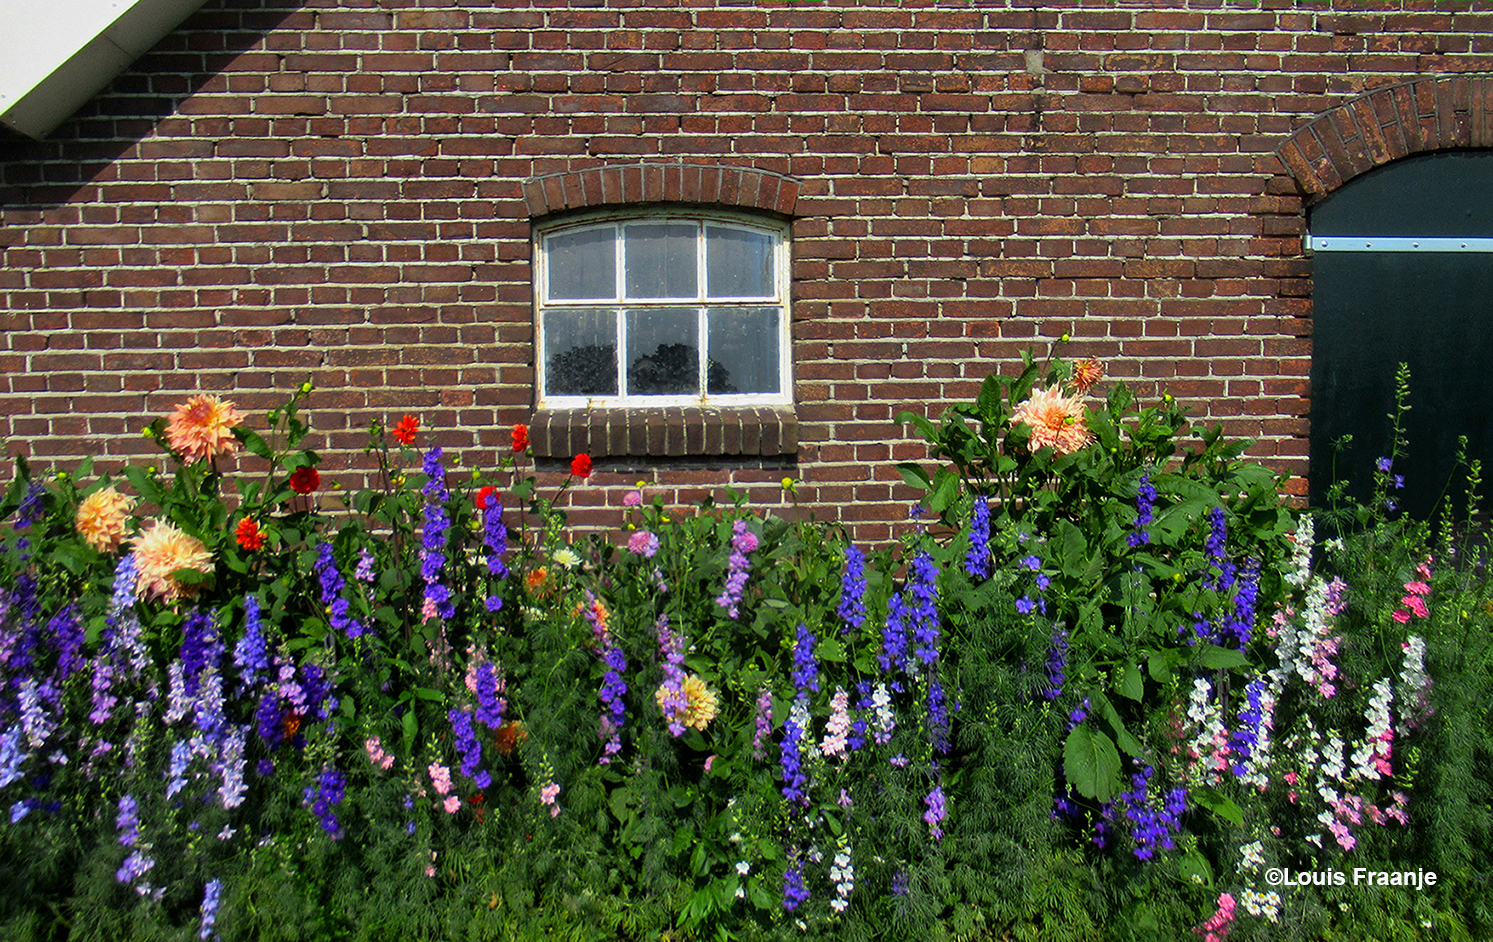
[337, 189]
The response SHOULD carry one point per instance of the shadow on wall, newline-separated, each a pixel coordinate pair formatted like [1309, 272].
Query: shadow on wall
[39, 175]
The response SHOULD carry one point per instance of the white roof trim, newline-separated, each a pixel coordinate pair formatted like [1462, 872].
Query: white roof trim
[57, 54]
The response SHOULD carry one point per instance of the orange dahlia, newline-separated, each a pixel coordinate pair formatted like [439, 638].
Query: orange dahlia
[201, 428]
[161, 550]
[1086, 373]
[102, 517]
[1056, 421]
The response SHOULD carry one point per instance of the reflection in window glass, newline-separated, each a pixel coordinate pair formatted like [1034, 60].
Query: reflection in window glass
[738, 263]
[580, 352]
[663, 349]
[582, 265]
[659, 260]
[743, 350]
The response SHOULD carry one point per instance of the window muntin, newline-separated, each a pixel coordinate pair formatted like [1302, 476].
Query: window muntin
[663, 310]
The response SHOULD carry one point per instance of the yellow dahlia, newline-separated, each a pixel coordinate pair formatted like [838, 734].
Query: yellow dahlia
[200, 428]
[703, 703]
[1055, 421]
[161, 550]
[102, 517]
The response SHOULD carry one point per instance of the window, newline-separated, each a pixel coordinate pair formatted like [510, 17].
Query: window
[662, 310]
[1402, 273]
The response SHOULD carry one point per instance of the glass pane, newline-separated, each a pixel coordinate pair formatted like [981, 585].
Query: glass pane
[580, 352]
[738, 263]
[659, 259]
[582, 265]
[663, 349]
[743, 351]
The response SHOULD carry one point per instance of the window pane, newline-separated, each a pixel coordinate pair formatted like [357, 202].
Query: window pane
[743, 350]
[660, 260]
[738, 263]
[582, 265]
[663, 348]
[580, 352]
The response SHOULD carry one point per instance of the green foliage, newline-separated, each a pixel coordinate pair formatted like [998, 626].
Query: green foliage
[1058, 614]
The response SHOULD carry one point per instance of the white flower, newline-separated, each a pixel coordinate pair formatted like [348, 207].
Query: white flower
[883, 722]
[1301, 554]
[1252, 856]
[565, 557]
[743, 868]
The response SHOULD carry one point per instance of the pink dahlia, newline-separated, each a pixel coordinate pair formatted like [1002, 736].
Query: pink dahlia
[1056, 421]
[202, 427]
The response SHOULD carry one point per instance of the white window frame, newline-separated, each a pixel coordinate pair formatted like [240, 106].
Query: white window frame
[618, 219]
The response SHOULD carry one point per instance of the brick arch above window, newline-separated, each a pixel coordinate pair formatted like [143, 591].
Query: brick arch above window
[1425, 114]
[660, 182]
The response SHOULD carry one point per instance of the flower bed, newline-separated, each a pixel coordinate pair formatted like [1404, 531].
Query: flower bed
[1107, 686]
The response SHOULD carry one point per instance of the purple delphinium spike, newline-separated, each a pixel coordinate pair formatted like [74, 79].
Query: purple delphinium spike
[66, 632]
[209, 913]
[329, 791]
[249, 654]
[977, 561]
[938, 717]
[489, 690]
[469, 747]
[613, 689]
[1246, 594]
[924, 588]
[762, 731]
[743, 543]
[1247, 736]
[128, 821]
[200, 649]
[851, 609]
[433, 533]
[1057, 664]
[674, 703]
[1145, 503]
[937, 811]
[795, 894]
[795, 729]
[495, 537]
[1218, 556]
[805, 669]
[332, 597]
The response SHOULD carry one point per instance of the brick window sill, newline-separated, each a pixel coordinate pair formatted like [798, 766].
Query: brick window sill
[666, 432]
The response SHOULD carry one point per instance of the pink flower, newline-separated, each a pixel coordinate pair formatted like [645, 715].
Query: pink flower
[1056, 421]
[709, 761]
[1401, 615]
[1416, 605]
[633, 499]
[376, 753]
[643, 543]
[548, 794]
[1418, 588]
[452, 804]
[441, 776]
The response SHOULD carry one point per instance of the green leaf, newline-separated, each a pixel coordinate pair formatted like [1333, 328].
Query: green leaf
[832, 650]
[1106, 711]
[1074, 549]
[252, 442]
[1160, 666]
[1220, 805]
[945, 491]
[1091, 763]
[1131, 683]
[921, 423]
[914, 475]
[426, 693]
[144, 484]
[1216, 658]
